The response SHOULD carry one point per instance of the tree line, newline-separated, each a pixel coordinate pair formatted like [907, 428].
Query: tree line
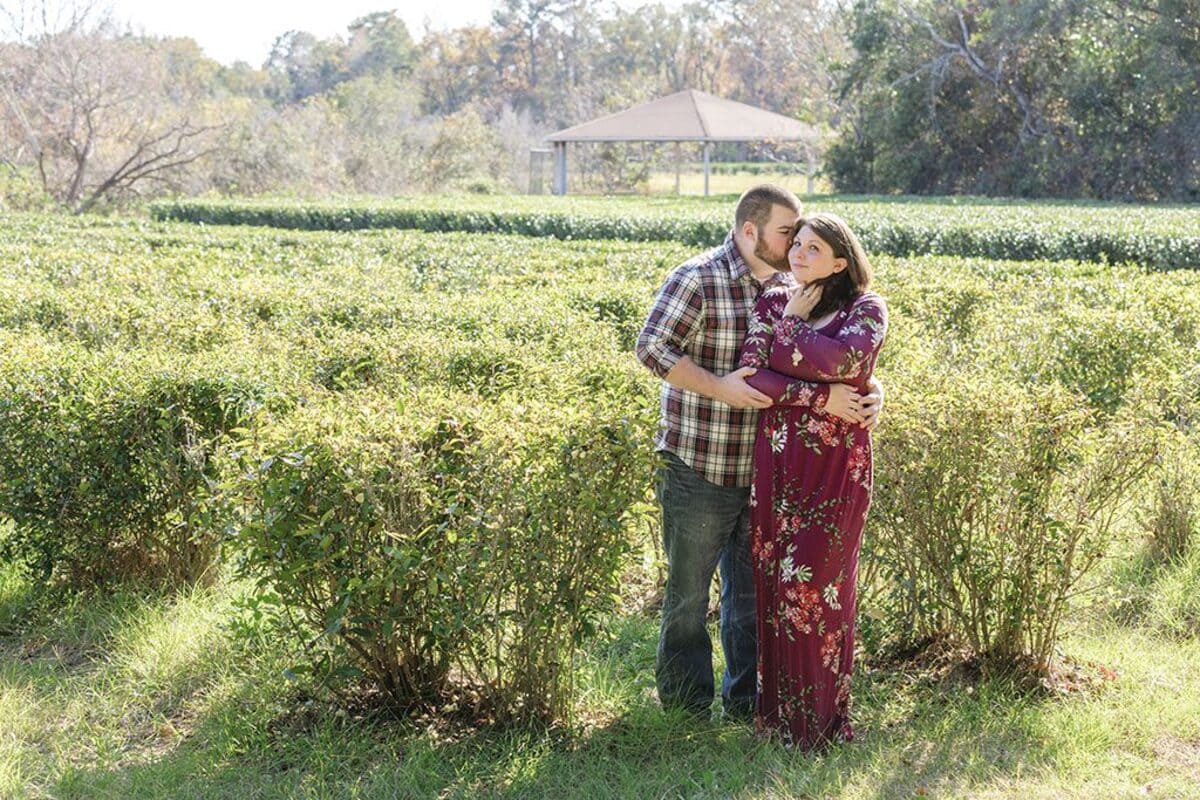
[1026, 97]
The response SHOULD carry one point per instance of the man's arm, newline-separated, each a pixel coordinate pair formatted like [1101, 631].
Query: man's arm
[675, 318]
[872, 404]
[731, 389]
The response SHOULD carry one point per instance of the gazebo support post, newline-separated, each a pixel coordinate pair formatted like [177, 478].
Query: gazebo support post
[560, 168]
[707, 145]
[810, 166]
[678, 159]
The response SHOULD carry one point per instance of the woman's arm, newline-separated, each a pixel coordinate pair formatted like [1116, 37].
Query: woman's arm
[756, 351]
[797, 349]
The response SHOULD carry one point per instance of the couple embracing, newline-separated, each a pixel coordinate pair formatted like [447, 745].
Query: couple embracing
[766, 345]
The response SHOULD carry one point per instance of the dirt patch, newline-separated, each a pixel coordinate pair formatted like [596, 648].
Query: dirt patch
[43, 650]
[1181, 755]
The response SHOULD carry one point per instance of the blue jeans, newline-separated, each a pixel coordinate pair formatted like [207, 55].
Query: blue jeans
[705, 524]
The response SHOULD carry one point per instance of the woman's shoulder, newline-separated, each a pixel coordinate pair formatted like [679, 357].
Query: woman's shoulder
[776, 294]
[869, 298]
[868, 304]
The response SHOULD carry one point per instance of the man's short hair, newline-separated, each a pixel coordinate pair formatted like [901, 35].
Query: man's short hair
[756, 204]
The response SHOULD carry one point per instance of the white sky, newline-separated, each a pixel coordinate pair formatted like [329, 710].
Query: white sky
[231, 30]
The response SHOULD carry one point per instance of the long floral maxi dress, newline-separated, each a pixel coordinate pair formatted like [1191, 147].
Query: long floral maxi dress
[808, 503]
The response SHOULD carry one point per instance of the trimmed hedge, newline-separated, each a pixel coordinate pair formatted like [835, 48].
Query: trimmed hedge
[417, 537]
[106, 465]
[480, 388]
[994, 502]
[903, 229]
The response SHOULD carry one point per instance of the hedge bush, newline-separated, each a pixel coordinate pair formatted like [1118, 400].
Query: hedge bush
[105, 466]
[992, 502]
[904, 229]
[151, 360]
[428, 540]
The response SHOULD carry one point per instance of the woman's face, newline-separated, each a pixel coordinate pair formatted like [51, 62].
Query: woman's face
[811, 257]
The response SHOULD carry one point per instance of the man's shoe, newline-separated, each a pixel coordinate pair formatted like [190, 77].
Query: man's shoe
[738, 713]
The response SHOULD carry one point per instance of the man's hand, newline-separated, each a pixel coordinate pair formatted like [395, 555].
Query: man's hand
[736, 392]
[872, 404]
[844, 402]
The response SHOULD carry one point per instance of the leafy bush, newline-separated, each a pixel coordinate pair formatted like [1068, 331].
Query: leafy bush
[20, 190]
[1171, 518]
[425, 541]
[992, 502]
[406, 356]
[104, 467]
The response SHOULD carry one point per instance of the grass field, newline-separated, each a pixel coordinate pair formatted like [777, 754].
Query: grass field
[132, 694]
[150, 697]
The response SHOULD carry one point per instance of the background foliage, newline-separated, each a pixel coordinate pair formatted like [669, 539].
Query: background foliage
[1034, 98]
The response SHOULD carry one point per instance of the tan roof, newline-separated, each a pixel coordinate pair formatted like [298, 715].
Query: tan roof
[689, 116]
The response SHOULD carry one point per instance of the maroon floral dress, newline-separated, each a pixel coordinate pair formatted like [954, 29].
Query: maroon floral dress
[808, 503]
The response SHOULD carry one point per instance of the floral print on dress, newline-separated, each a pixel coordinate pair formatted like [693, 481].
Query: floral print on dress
[809, 499]
[831, 649]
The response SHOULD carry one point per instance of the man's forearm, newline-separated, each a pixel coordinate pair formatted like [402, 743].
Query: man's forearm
[687, 374]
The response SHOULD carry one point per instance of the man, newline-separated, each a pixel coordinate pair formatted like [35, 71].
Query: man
[692, 339]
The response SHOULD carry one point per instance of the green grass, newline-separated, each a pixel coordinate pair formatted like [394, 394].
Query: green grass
[131, 696]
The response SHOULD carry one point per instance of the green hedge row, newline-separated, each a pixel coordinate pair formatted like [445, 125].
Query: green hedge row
[881, 233]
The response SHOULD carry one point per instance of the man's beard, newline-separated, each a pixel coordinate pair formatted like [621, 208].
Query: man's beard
[777, 262]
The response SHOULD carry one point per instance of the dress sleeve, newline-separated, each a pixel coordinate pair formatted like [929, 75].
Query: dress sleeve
[756, 350]
[797, 349]
[674, 320]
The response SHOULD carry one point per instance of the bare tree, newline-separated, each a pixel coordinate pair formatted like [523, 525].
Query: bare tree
[95, 113]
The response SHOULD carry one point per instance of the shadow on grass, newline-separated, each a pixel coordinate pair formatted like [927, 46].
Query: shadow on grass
[241, 736]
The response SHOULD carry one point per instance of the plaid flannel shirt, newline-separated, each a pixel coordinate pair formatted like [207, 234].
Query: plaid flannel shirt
[702, 311]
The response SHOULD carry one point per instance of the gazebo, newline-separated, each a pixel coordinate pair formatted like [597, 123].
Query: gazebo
[687, 116]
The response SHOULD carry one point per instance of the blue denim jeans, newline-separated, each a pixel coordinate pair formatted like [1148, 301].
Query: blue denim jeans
[705, 525]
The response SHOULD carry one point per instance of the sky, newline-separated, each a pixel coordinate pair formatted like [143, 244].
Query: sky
[232, 30]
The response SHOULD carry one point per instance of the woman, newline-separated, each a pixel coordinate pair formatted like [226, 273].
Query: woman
[812, 479]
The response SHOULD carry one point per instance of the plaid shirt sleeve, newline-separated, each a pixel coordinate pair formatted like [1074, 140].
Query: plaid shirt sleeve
[675, 318]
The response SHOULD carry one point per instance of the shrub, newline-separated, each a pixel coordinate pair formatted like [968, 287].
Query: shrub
[20, 190]
[104, 468]
[440, 540]
[1171, 516]
[992, 503]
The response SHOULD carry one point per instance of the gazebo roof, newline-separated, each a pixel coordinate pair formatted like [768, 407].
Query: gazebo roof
[689, 116]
